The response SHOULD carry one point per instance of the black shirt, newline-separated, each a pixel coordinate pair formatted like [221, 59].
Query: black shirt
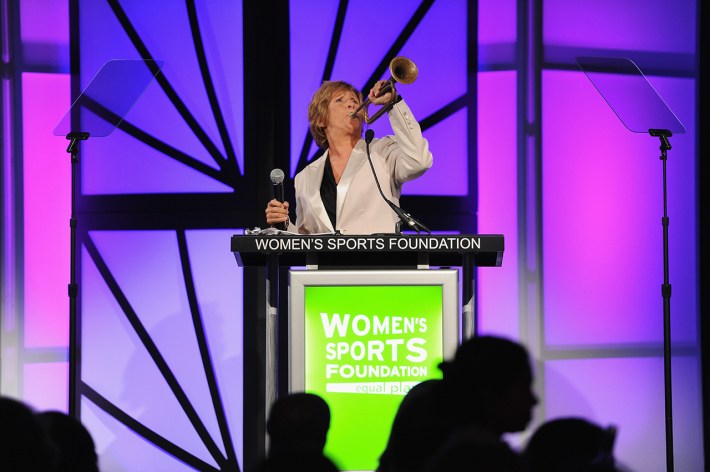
[329, 191]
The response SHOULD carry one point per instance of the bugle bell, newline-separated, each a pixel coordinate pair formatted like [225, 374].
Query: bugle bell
[402, 70]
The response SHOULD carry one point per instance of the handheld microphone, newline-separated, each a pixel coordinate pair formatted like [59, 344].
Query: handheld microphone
[405, 217]
[277, 181]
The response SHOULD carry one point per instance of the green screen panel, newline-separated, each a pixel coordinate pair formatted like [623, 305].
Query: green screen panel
[361, 340]
[366, 347]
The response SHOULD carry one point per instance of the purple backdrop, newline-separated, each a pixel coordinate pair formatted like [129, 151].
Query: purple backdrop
[597, 339]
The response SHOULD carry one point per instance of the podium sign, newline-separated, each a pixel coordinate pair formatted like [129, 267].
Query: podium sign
[361, 340]
[375, 250]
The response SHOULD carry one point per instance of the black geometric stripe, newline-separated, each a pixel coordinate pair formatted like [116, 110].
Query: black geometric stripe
[444, 112]
[153, 351]
[155, 143]
[398, 43]
[205, 353]
[165, 85]
[207, 80]
[140, 429]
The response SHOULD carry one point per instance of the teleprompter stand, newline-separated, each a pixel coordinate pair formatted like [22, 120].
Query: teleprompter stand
[97, 111]
[642, 110]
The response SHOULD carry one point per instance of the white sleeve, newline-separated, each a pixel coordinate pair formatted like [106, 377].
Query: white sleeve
[406, 154]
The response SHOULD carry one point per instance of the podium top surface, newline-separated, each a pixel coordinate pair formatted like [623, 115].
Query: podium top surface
[369, 250]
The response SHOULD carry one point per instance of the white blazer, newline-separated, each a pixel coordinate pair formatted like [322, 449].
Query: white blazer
[360, 208]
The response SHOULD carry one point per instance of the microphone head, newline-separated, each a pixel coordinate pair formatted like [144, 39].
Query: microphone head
[277, 176]
[369, 134]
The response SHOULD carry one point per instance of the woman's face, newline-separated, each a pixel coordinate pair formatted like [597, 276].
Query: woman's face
[342, 103]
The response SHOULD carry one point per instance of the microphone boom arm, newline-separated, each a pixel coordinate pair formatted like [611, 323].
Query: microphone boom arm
[405, 217]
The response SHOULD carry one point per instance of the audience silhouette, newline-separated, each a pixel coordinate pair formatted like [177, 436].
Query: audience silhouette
[470, 451]
[26, 446]
[76, 448]
[571, 444]
[485, 392]
[298, 426]
[453, 423]
[49, 441]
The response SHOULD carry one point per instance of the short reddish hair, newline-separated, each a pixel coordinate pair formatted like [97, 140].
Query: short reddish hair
[318, 108]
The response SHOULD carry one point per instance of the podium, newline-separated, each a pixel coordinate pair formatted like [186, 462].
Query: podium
[369, 317]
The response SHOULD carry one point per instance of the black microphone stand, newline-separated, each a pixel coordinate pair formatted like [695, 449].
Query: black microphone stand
[663, 135]
[404, 217]
[73, 149]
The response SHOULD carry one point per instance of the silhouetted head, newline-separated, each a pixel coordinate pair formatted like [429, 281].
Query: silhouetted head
[490, 382]
[77, 452]
[25, 444]
[298, 422]
[571, 444]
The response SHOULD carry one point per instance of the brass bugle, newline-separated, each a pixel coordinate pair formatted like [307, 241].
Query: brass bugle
[402, 70]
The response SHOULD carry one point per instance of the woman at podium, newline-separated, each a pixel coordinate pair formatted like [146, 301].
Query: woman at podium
[337, 191]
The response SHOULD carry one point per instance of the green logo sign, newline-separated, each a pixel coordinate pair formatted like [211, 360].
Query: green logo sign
[365, 348]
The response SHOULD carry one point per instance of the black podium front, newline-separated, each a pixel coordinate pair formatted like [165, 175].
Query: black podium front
[337, 253]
